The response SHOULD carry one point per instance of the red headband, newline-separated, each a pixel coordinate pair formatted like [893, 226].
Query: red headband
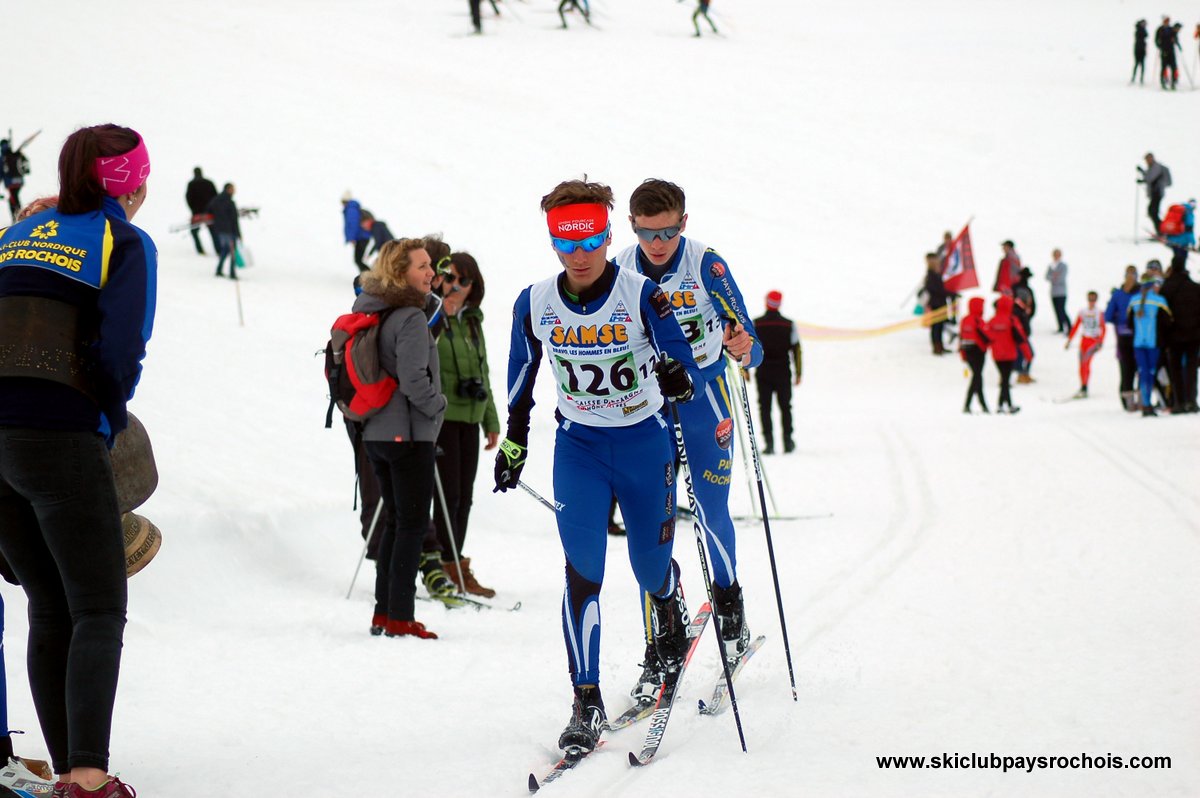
[578, 221]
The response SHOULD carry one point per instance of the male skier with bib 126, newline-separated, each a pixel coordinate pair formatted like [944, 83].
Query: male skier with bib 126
[615, 351]
[706, 301]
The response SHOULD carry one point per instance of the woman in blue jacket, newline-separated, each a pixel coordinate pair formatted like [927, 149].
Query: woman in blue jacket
[77, 283]
[1116, 313]
[1148, 314]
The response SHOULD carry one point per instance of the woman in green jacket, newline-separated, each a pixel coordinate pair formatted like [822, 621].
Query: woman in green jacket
[465, 381]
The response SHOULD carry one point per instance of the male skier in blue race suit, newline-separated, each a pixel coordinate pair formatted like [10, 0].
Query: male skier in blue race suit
[709, 307]
[616, 352]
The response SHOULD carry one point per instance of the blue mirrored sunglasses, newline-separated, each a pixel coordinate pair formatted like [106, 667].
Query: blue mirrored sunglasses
[660, 234]
[590, 244]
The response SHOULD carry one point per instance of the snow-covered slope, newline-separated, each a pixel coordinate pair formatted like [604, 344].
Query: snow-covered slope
[1023, 586]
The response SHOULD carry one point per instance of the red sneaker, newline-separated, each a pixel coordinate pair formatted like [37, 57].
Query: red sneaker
[403, 628]
[113, 788]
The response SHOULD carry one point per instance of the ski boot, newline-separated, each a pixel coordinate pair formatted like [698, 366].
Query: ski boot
[731, 614]
[651, 681]
[669, 623]
[789, 446]
[1081, 393]
[437, 581]
[378, 622]
[587, 721]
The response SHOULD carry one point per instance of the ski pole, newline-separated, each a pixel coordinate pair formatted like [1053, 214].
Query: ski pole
[366, 543]
[787, 650]
[237, 289]
[754, 446]
[437, 480]
[553, 506]
[681, 451]
[1137, 202]
[745, 459]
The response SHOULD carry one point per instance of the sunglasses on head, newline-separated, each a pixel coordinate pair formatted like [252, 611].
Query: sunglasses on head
[590, 244]
[648, 234]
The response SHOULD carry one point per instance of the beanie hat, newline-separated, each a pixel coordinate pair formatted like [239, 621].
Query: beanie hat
[774, 300]
[347, 196]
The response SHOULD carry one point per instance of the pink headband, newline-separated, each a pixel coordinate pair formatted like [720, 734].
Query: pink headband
[124, 174]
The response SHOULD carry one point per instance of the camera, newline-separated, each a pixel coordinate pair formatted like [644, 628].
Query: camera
[472, 388]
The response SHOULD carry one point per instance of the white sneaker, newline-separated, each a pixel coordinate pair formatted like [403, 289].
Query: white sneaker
[23, 781]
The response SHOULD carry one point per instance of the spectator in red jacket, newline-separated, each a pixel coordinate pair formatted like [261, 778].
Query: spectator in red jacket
[1007, 339]
[1009, 270]
[972, 348]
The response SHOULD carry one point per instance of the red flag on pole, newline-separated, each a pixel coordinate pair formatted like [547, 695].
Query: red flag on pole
[958, 269]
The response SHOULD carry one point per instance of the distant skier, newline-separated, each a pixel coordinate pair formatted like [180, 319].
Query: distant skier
[1182, 296]
[1157, 179]
[1166, 39]
[1139, 51]
[200, 191]
[702, 10]
[972, 348]
[584, 9]
[378, 230]
[1091, 321]
[1149, 316]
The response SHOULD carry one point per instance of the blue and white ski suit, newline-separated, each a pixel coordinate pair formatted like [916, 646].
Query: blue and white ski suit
[612, 438]
[705, 298]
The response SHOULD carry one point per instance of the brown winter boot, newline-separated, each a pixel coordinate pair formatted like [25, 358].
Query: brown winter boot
[468, 584]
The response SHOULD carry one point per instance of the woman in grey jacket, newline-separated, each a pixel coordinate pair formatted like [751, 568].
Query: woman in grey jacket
[400, 438]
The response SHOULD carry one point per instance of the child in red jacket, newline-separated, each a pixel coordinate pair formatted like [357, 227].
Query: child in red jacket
[1091, 319]
[972, 348]
[1006, 338]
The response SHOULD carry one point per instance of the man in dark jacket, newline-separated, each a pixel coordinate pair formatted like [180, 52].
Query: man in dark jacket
[1157, 179]
[1183, 298]
[935, 301]
[226, 229]
[1164, 39]
[781, 351]
[200, 191]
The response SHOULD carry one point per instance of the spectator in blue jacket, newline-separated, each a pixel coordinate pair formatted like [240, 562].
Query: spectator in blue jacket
[80, 285]
[1150, 317]
[1116, 313]
[355, 234]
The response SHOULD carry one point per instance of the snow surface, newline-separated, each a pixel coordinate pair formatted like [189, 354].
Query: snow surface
[1024, 586]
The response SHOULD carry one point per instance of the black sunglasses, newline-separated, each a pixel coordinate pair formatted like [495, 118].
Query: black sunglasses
[648, 234]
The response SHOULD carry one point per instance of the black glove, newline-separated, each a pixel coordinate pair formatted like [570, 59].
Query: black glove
[673, 380]
[509, 462]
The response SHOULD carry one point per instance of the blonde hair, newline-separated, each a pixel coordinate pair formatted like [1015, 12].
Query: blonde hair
[37, 206]
[394, 259]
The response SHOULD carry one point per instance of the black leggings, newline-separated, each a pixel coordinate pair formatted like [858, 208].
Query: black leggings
[1006, 369]
[457, 464]
[405, 472]
[60, 530]
[975, 359]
